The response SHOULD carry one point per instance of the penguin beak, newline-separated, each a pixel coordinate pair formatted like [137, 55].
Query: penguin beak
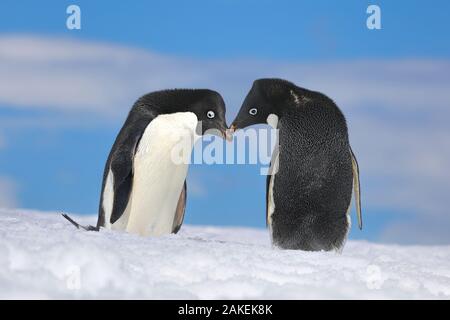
[224, 133]
[228, 134]
[223, 129]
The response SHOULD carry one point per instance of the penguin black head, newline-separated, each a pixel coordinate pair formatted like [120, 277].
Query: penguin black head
[207, 105]
[267, 97]
[210, 111]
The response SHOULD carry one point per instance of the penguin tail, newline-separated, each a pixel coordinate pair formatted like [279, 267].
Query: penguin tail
[78, 226]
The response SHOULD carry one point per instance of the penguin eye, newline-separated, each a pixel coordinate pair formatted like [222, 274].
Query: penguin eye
[253, 111]
[210, 114]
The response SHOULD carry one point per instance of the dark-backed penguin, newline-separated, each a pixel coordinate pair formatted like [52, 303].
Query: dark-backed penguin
[309, 195]
[144, 189]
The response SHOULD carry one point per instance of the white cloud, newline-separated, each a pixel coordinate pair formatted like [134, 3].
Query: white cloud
[8, 193]
[396, 109]
[73, 75]
[404, 165]
[423, 230]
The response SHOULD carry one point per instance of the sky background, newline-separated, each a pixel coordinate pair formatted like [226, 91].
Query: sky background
[64, 95]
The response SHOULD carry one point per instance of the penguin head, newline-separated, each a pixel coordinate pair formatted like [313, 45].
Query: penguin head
[207, 105]
[210, 111]
[264, 103]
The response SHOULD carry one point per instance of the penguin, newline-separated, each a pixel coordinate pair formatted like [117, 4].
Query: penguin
[314, 169]
[144, 190]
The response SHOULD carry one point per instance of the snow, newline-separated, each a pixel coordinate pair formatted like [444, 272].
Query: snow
[42, 256]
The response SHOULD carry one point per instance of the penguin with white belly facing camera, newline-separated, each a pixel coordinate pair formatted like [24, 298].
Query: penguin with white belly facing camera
[144, 189]
[309, 195]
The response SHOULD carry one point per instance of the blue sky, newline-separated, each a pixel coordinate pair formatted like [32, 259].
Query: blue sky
[312, 30]
[64, 95]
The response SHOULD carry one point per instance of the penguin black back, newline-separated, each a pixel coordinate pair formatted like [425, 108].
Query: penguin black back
[312, 189]
[311, 192]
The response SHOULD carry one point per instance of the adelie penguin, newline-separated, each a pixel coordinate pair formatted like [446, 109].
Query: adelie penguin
[308, 197]
[144, 189]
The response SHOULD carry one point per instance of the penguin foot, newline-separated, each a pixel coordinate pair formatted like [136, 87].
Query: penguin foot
[78, 226]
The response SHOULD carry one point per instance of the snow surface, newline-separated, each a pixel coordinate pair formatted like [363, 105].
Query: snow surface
[43, 256]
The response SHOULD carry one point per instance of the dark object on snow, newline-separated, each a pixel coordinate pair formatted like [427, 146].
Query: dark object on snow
[78, 226]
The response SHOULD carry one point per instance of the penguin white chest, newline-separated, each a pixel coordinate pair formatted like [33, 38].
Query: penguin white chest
[272, 120]
[159, 173]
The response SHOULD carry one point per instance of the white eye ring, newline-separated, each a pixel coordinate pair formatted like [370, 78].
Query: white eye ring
[210, 114]
[253, 111]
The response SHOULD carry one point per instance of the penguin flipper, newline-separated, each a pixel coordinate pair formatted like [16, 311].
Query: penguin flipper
[122, 169]
[118, 173]
[356, 187]
[180, 210]
[122, 191]
[78, 226]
